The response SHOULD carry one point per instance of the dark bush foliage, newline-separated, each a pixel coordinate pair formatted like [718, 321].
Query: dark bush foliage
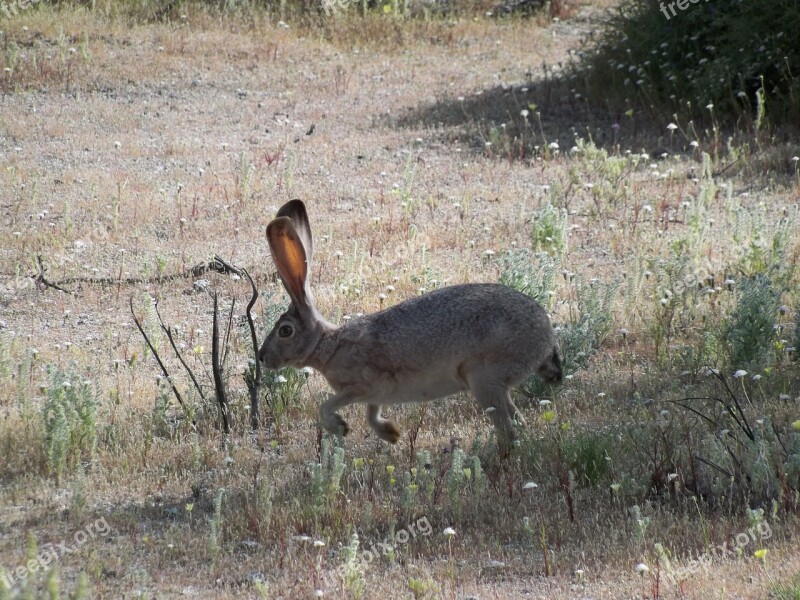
[740, 56]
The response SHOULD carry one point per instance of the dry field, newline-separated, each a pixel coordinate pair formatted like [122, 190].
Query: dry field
[131, 153]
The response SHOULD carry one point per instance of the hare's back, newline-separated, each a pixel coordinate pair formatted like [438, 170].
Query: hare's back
[464, 319]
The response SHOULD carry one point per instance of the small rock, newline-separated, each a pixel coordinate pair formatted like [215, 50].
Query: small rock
[201, 285]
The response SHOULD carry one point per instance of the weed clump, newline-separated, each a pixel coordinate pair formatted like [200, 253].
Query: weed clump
[751, 328]
[729, 59]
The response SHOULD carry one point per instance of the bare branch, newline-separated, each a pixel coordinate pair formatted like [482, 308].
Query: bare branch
[40, 280]
[168, 331]
[743, 424]
[158, 358]
[220, 265]
[715, 466]
[217, 264]
[254, 387]
[216, 367]
[226, 346]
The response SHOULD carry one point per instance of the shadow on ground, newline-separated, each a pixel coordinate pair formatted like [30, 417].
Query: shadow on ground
[556, 112]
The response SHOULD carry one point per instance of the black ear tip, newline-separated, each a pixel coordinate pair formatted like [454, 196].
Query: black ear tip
[292, 207]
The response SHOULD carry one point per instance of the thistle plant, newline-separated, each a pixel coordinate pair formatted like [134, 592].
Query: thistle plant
[533, 274]
[215, 526]
[549, 230]
[425, 480]
[69, 416]
[455, 479]
[326, 476]
[588, 326]
[5, 356]
[750, 331]
[263, 501]
[352, 577]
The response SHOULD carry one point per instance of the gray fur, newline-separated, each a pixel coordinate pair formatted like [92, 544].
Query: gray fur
[485, 338]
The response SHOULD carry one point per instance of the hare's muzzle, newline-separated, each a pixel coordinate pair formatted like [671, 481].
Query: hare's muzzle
[551, 371]
[263, 356]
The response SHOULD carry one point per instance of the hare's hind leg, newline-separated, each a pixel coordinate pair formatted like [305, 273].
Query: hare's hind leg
[494, 398]
[386, 429]
[515, 413]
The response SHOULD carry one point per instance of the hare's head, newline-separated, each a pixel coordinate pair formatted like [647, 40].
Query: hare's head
[550, 370]
[299, 330]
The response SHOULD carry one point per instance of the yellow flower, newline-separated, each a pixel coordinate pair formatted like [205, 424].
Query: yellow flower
[549, 416]
[761, 554]
[796, 425]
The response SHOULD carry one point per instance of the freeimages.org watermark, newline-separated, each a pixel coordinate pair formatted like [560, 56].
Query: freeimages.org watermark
[51, 553]
[681, 4]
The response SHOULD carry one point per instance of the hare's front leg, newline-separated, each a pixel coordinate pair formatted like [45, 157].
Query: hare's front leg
[385, 429]
[330, 420]
[328, 410]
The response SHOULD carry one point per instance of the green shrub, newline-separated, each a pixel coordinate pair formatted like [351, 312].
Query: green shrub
[581, 336]
[326, 475]
[587, 457]
[536, 278]
[590, 319]
[742, 57]
[750, 330]
[549, 230]
[787, 591]
[70, 420]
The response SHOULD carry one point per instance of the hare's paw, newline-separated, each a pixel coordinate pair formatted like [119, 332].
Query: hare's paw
[388, 431]
[335, 424]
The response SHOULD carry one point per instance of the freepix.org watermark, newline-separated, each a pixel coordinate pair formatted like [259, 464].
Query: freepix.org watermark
[11, 9]
[669, 8]
[421, 527]
[387, 548]
[49, 554]
[727, 550]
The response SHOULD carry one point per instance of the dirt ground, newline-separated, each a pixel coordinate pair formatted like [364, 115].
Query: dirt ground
[129, 152]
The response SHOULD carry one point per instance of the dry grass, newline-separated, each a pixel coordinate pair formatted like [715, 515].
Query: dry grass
[150, 148]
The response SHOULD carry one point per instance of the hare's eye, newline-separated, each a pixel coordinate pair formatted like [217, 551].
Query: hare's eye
[285, 331]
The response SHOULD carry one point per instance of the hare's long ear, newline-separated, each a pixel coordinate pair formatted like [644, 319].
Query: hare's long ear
[296, 211]
[289, 255]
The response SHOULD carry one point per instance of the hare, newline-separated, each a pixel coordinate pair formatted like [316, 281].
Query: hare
[485, 338]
